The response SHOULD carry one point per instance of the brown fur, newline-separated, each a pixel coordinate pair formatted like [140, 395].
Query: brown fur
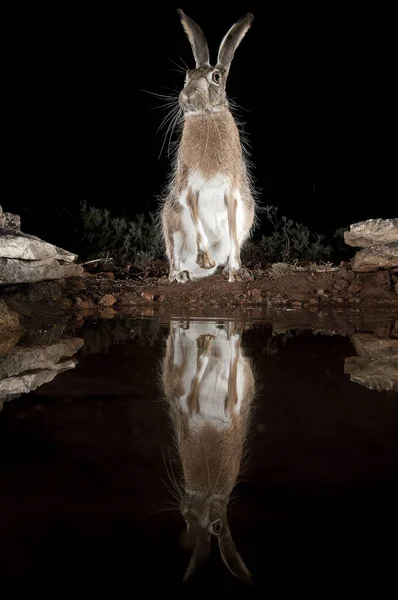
[210, 145]
[212, 451]
[210, 455]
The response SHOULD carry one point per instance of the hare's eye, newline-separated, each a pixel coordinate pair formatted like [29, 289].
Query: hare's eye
[216, 526]
[216, 77]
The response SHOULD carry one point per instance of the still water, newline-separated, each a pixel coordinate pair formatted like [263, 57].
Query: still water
[137, 453]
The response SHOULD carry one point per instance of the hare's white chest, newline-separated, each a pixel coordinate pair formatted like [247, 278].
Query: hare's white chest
[209, 372]
[212, 208]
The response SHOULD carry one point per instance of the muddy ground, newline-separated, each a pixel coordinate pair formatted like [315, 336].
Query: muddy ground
[148, 292]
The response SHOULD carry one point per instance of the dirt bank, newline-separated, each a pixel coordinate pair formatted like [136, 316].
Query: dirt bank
[279, 287]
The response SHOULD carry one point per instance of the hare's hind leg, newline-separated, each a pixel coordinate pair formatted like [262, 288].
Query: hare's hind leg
[203, 258]
[174, 241]
[238, 219]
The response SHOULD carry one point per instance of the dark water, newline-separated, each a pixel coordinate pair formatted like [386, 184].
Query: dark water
[87, 459]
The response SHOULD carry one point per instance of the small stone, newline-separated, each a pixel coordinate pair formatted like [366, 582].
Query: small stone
[107, 313]
[87, 305]
[382, 278]
[163, 280]
[84, 302]
[149, 296]
[107, 300]
[297, 304]
[66, 303]
[321, 292]
[375, 292]
[355, 288]
[341, 285]
[347, 274]
[255, 295]
[107, 275]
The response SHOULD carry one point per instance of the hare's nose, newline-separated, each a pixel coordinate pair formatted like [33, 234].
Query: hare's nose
[186, 95]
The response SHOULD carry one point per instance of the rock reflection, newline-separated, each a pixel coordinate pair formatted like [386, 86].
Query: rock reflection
[376, 363]
[26, 367]
[209, 386]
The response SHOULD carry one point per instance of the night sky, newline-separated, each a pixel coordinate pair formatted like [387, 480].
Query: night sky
[316, 91]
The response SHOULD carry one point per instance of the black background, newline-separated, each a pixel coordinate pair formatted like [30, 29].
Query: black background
[316, 87]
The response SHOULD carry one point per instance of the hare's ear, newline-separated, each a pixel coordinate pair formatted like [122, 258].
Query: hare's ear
[199, 555]
[197, 39]
[232, 558]
[231, 41]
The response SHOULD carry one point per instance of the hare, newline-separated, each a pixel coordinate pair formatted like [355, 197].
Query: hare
[209, 386]
[209, 207]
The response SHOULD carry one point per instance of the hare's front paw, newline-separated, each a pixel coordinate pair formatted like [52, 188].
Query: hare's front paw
[204, 260]
[203, 343]
[239, 274]
[181, 276]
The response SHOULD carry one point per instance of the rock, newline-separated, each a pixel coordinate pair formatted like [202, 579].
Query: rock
[15, 244]
[341, 284]
[375, 292]
[84, 303]
[347, 274]
[9, 221]
[396, 288]
[149, 297]
[9, 320]
[382, 278]
[373, 373]
[376, 257]
[25, 258]
[255, 295]
[25, 368]
[27, 382]
[107, 300]
[26, 271]
[7, 341]
[45, 291]
[355, 288]
[35, 358]
[107, 313]
[372, 232]
[370, 345]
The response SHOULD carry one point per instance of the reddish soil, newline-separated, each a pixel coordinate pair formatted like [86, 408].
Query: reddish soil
[282, 285]
[146, 293]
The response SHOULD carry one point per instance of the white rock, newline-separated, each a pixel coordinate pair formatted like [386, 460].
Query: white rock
[371, 232]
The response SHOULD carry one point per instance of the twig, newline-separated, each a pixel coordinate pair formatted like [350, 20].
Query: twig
[96, 260]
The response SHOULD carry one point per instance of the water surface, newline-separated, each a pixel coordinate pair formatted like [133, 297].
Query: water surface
[90, 466]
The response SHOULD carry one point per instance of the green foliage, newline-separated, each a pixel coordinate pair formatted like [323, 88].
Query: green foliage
[136, 242]
[139, 242]
[287, 241]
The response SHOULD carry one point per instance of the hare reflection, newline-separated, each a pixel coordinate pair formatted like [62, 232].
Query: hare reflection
[209, 386]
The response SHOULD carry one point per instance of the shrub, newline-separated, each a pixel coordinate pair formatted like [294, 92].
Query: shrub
[136, 242]
[288, 241]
